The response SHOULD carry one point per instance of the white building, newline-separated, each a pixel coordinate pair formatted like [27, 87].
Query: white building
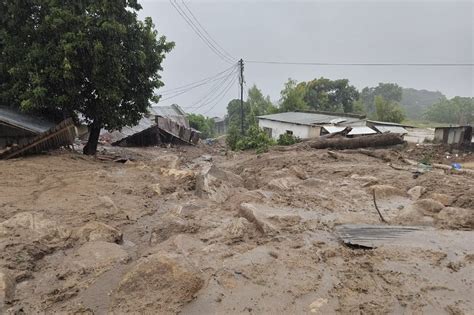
[306, 125]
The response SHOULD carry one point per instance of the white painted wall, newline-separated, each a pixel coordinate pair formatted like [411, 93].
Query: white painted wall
[279, 128]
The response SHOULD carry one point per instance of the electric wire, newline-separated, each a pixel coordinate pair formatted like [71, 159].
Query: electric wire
[362, 64]
[199, 33]
[223, 95]
[205, 31]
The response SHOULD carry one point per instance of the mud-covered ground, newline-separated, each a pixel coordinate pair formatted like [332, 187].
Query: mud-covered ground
[198, 230]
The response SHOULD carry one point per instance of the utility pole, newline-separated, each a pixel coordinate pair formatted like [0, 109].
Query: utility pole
[241, 64]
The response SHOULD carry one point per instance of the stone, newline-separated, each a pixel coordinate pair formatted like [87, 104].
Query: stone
[238, 227]
[160, 283]
[98, 231]
[252, 214]
[428, 205]
[456, 218]
[365, 178]
[99, 255]
[7, 289]
[216, 184]
[283, 183]
[299, 172]
[39, 227]
[443, 198]
[416, 192]
[178, 174]
[156, 188]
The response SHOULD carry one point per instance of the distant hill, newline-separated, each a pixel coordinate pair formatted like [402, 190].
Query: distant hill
[416, 102]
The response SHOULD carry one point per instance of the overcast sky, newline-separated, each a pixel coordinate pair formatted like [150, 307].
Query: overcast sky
[319, 31]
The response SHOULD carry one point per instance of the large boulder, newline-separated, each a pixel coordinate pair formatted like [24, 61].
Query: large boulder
[416, 192]
[7, 289]
[98, 255]
[36, 226]
[98, 231]
[160, 284]
[456, 218]
[257, 217]
[428, 205]
[446, 200]
[216, 184]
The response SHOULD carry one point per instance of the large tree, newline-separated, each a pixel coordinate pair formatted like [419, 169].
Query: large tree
[458, 110]
[388, 91]
[88, 57]
[292, 97]
[328, 95]
[386, 110]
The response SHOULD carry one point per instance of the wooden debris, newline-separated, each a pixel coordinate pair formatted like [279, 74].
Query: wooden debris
[379, 140]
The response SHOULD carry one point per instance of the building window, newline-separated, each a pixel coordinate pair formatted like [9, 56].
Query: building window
[289, 132]
[268, 131]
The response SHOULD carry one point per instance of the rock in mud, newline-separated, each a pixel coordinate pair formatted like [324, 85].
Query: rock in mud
[456, 218]
[99, 255]
[428, 205]
[252, 214]
[416, 192]
[443, 198]
[161, 284]
[98, 231]
[7, 289]
[299, 172]
[238, 227]
[36, 226]
[283, 183]
[216, 184]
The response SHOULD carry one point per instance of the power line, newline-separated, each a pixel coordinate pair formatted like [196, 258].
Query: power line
[223, 95]
[363, 64]
[213, 90]
[205, 31]
[199, 33]
[185, 88]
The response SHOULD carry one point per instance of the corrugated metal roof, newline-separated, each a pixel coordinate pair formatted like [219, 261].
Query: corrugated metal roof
[391, 129]
[308, 118]
[387, 123]
[167, 111]
[18, 119]
[362, 130]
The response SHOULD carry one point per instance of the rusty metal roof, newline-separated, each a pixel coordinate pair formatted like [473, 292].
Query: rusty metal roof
[24, 121]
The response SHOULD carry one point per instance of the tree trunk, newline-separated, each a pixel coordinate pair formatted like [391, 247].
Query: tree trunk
[379, 140]
[91, 147]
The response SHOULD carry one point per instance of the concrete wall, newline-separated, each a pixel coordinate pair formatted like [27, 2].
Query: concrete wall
[278, 128]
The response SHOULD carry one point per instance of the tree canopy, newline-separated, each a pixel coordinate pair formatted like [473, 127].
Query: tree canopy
[327, 95]
[89, 57]
[204, 124]
[388, 91]
[458, 110]
[292, 97]
[387, 110]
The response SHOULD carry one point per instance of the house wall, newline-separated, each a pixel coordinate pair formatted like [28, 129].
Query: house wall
[278, 128]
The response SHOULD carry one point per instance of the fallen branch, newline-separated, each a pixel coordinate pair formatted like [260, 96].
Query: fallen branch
[380, 140]
[377, 208]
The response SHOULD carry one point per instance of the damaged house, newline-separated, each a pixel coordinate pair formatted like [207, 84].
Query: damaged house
[306, 125]
[163, 124]
[22, 134]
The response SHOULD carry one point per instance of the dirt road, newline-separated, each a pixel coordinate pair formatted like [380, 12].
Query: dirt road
[200, 231]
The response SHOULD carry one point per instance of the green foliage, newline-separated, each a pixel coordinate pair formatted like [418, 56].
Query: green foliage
[233, 136]
[92, 57]
[458, 110]
[204, 124]
[386, 110]
[255, 105]
[292, 97]
[327, 95]
[388, 91]
[256, 139]
[287, 139]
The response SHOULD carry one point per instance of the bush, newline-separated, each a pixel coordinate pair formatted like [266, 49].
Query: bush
[255, 138]
[233, 136]
[287, 139]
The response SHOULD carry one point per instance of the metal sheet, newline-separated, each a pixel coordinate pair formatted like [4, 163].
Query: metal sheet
[391, 129]
[24, 121]
[361, 131]
[309, 118]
